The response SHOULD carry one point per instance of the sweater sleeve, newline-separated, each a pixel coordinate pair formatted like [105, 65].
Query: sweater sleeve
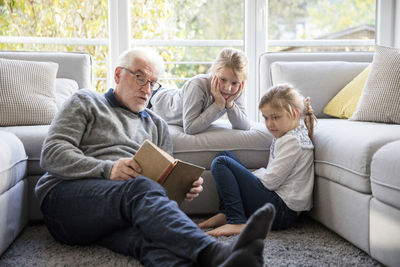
[61, 155]
[195, 119]
[164, 138]
[287, 153]
[237, 114]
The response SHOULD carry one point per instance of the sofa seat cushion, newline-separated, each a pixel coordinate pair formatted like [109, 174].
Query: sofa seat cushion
[385, 174]
[12, 161]
[251, 147]
[344, 150]
[32, 138]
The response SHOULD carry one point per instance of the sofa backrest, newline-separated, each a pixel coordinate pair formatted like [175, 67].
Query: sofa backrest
[72, 65]
[318, 75]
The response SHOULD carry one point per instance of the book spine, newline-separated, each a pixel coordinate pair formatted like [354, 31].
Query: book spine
[167, 171]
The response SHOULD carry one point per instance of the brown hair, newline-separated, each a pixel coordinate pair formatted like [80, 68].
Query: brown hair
[286, 97]
[234, 59]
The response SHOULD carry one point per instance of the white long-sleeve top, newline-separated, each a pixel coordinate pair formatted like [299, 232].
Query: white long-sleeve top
[290, 170]
[193, 107]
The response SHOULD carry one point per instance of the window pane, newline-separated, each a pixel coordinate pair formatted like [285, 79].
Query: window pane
[58, 26]
[187, 33]
[321, 25]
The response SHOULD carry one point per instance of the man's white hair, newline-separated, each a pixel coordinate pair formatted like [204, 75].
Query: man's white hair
[127, 58]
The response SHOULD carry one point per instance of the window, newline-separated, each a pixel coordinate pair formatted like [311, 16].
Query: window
[321, 25]
[187, 33]
[42, 25]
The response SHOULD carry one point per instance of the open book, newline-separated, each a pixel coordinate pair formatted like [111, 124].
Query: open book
[175, 175]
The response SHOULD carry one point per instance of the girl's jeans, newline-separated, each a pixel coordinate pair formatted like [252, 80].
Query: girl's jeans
[241, 193]
[132, 217]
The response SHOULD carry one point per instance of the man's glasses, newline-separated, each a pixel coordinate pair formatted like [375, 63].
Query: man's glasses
[142, 80]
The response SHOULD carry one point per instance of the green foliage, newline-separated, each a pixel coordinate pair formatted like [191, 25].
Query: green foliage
[187, 20]
[50, 18]
[172, 20]
[333, 16]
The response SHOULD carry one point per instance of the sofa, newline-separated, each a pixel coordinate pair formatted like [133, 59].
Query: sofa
[356, 176]
[20, 147]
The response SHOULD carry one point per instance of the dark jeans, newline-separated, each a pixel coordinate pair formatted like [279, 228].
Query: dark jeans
[241, 193]
[133, 217]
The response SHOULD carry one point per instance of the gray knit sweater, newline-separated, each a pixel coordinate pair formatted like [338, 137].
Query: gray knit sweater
[90, 133]
[194, 108]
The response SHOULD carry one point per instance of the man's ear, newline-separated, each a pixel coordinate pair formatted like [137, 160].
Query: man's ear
[117, 74]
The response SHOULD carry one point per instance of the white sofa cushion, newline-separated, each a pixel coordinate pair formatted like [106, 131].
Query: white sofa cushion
[32, 137]
[321, 80]
[64, 89]
[344, 150]
[12, 161]
[385, 174]
[27, 92]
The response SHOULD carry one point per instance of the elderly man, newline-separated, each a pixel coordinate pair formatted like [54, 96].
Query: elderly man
[93, 191]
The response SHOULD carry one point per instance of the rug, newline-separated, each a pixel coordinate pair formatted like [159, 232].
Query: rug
[308, 243]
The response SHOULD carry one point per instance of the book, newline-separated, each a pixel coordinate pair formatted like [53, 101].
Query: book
[175, 175]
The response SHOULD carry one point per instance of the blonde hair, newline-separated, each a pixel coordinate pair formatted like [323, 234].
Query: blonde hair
[128, 58]
[234, 59]
[285, 97]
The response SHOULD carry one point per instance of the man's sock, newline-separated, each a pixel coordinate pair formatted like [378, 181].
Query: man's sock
[249, 255]
[257, 226]
[249, 243]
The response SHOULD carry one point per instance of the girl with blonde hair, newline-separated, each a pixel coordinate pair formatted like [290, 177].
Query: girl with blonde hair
[286, 182]
[206, 97]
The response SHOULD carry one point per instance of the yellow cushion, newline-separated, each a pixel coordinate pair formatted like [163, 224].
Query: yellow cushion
[344, 104]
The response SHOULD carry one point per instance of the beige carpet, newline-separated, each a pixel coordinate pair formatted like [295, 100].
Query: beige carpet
[307, 244]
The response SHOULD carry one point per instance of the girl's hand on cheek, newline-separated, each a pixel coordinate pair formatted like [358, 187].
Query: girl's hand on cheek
[216, 93]
[231, 99]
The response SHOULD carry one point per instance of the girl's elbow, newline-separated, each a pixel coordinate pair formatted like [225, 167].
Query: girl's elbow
[188, 129]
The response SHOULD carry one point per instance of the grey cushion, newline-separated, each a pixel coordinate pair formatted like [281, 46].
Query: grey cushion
[380, 98]
[344, 150]
[251, 147]
[27, 92]
[32, 138]
[12, 161]
[319, 80]
[385, 174]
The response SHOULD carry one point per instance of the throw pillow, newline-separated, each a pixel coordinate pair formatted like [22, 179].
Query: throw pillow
[64, 89]
[345, 102]
[27, 94]
[380, 98]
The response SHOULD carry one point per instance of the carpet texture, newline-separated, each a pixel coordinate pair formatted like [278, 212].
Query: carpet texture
[307, 244]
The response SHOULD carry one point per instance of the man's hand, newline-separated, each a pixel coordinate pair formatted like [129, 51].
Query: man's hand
[196, 189]
[125, 169]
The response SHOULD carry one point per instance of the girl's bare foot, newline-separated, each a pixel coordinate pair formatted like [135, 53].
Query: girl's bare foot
[227, 230]
[214, 221]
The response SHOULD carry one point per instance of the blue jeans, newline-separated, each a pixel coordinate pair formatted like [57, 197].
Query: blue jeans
[241, 193]
[134, 217]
